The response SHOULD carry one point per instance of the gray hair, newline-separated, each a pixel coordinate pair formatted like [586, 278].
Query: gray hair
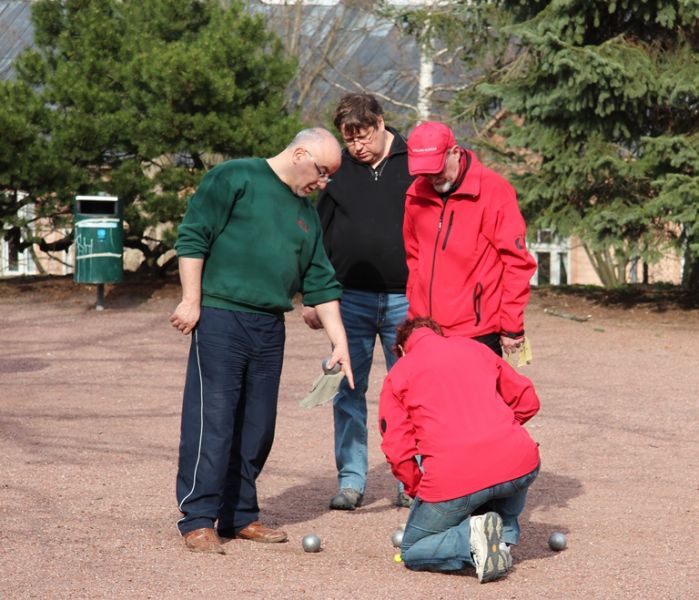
[314, 136]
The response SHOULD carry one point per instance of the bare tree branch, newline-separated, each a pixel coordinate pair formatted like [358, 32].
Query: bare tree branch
[361, 87]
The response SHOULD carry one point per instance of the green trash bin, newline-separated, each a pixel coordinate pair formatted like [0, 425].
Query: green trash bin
[99, 240]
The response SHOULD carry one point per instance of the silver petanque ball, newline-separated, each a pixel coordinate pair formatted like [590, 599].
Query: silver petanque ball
[311, 543]
[557, 541]
[336, 367]
[397, 537]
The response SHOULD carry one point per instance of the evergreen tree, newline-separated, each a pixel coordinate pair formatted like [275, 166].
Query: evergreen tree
[26, 164]
[137, 99]
[601, 108]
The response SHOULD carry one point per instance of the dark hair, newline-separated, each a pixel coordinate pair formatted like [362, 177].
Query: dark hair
[406, 328]
[357, 111]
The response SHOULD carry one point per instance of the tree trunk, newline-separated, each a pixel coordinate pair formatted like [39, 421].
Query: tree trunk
[690, 275]
[610, 269]
[424, 99]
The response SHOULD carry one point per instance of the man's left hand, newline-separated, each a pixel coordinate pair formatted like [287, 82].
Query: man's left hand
[510, 345]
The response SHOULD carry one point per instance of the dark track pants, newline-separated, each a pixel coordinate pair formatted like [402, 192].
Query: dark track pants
[229, 412]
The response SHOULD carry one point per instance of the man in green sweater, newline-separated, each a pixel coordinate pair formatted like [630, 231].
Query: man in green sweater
[249, 241]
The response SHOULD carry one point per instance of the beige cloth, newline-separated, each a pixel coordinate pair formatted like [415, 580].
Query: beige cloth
[323, 390]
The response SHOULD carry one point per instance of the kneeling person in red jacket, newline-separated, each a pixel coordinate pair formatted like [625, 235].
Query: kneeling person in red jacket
[461, 408]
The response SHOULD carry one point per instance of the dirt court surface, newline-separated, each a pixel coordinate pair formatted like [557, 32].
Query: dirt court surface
[89, 426]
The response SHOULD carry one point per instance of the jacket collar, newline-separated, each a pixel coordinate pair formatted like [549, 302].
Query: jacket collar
[471, 184]
[417, 335]
[399, 145]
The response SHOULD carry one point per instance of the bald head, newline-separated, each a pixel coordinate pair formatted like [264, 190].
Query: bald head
[307, 163]
[315, 137]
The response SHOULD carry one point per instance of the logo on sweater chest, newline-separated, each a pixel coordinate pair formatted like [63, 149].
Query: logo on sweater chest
[302, 225]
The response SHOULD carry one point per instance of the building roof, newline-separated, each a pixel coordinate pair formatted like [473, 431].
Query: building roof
[16, 33]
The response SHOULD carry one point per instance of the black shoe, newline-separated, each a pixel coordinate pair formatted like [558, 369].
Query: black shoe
[346, 499]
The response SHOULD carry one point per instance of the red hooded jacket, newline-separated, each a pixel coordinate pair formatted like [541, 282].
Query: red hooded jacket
[461, 407]
[468, 264]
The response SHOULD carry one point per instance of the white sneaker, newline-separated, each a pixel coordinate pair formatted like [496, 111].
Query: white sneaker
[490, 559]
[505, 551]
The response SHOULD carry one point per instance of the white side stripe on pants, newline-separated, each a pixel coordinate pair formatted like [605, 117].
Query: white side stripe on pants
[201, 421]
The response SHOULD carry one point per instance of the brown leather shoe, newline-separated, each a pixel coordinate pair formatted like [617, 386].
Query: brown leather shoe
[257, 532]
[203, 540]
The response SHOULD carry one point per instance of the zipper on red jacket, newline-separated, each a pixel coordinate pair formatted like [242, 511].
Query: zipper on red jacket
[466, 160]
[434, 252]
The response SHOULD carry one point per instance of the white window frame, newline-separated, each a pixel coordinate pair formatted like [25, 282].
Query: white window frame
[25, 261]
[555, 248]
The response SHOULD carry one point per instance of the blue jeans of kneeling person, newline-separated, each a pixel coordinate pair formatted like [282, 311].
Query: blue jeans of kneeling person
[437, 534]
[365, 315]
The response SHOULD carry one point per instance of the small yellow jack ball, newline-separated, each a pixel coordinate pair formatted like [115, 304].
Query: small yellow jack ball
[397, 558]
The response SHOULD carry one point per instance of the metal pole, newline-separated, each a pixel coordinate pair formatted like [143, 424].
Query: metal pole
[99, 305]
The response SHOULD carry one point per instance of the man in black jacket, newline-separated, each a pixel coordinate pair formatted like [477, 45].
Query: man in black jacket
[361, 212]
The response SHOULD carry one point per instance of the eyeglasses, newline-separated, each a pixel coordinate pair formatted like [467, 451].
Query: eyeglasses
[363, 139]
[322, 175]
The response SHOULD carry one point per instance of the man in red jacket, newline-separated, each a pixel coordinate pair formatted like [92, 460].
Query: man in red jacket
[461, 409]
[468, 264]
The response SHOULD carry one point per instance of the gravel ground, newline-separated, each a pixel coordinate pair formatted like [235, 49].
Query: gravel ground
[89, 427]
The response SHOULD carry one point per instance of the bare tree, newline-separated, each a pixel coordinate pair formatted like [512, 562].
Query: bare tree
[357, 45]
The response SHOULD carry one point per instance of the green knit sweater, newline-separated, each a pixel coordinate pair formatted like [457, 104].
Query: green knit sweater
[261, 244]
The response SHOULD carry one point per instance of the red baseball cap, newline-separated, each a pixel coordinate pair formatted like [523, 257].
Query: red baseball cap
[428, 145]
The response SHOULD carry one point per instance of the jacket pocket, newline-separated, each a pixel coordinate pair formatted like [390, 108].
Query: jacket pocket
[477, 293]
[446, 235]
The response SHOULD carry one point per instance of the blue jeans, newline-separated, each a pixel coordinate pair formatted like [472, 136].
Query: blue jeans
[437, 535]
[365, 315]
